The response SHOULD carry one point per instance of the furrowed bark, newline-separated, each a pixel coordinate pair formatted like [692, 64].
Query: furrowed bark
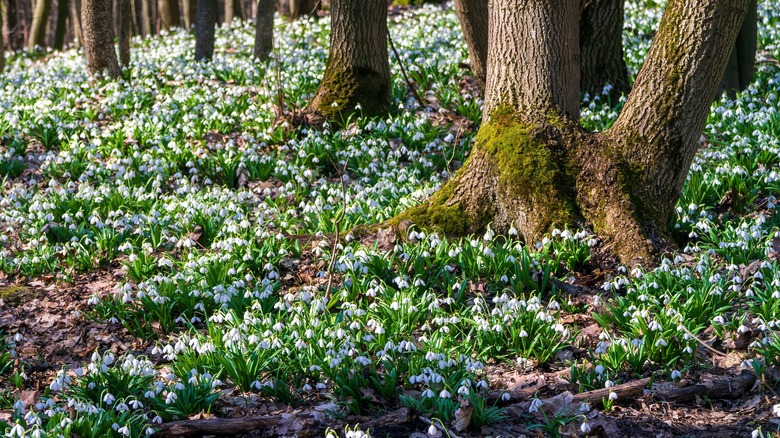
[205, 29]
[358, 71]
[601, 47]
[658, 129]
[264, 30]
[98, 35]
[473, 17]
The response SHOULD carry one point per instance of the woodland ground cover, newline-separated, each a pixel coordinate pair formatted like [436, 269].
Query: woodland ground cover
[184, 219]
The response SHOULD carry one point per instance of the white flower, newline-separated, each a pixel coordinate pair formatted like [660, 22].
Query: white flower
[584, 427]
[432, 431]
[535, 405]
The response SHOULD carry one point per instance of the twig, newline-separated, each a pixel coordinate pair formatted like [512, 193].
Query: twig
[439, 426]
[714, 351]
[403, 71]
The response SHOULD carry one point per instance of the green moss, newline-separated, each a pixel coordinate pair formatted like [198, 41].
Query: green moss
[14, 296]
[437, 215]
[532, 165]
[342, 89]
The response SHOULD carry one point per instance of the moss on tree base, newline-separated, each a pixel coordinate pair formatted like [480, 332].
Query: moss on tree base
[343, 89]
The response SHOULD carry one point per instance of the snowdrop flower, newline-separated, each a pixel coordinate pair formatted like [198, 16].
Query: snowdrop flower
[432, 431]
[584, 427]
[535, 405]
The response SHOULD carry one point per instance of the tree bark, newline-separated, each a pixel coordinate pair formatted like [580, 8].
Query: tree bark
[125, 32]
[62, 21]
[473, 17]
[739, 72]
[190, 12]
[205, 29]
[2, 48]
[358, 71]
[601, 47]
[533, 168]
[264, 31]
[98, 32]
[169, 13]
[41, 13]
[146, 18]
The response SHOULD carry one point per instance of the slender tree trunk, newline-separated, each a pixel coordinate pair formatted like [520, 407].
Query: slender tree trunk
[146, 18]
[37, 35]
[205, 29]
[264, 31]
[296, 8]
[473, 17]
[75, 19]
[125, 32]
[190, 12]
[169, 13]
[601, 47]
[532, 167]
[357, 71]
[2, 46]
[62, 24]
[232, 10]
[739, 72]
[98, 34]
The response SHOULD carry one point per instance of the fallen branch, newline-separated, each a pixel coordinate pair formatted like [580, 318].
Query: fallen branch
[230, 426]
[726, 388]
[625, 391]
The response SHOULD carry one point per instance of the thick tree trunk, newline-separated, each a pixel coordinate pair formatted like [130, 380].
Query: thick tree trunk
[37, 35]
[601, 47]
[264, 31]
[532, 167]
[62, 24]
[739, 72]
[205, 29]
[190, 10]
[473, 17]
[98, 32]
[125, 32]
[358, 71]
[146, 18]
[75, 19]
[169, 13]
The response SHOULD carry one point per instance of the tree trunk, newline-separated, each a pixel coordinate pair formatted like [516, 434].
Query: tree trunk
[75, 20]
[190, 12]
[601, 47]
[264, 31]
[296, 8]
[125, 32]
[473, 17]
[205, 28]
[739, 72]
[2, 49]
[232, 10]
[532, 167]
[98, 32]
[169, 13]
[62, 24]
[146, 18]
[37, 35]
[357, 71]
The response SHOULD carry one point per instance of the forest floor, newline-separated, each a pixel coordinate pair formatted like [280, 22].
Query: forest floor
[168, 260]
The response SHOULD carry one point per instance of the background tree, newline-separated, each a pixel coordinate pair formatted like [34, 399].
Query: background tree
[190, 12]
[297, 8]
[75, 19]
[473, 18]
[98, 33]
[358, 70]
[264, 30]
[2, 46]
[146, 18]
[233, 10]
[532, 167]
[62, 24]
[125, 31]
[601, 47]
[739, 72]
[205, 29]
[40, 18]
[169, 13]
